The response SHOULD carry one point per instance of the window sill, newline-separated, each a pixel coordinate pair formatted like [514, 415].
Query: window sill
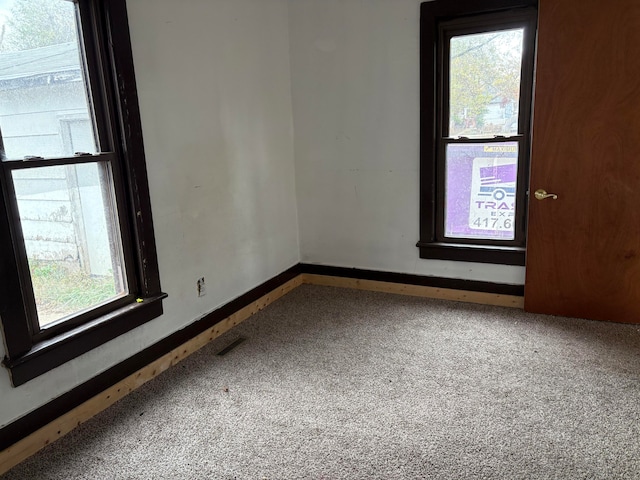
[51, 353]
[461, 252]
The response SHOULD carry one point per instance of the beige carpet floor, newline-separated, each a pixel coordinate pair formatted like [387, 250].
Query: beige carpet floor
[342, 384]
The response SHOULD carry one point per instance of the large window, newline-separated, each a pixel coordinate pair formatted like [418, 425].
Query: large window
[476, 93]
[78, 263]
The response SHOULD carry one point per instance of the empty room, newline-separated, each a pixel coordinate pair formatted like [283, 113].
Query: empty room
[324, 239]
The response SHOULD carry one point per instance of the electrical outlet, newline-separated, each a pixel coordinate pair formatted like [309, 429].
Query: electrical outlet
[202, 290]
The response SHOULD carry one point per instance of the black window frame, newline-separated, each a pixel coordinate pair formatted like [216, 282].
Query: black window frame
[31, 351]
[439, 21]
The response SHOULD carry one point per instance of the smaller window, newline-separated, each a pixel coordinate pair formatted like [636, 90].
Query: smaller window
[476, 93]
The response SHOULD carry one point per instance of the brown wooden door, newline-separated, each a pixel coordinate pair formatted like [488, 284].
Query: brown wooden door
[583, 249]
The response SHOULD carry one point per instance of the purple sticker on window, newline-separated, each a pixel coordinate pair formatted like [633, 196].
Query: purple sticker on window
[481, 190]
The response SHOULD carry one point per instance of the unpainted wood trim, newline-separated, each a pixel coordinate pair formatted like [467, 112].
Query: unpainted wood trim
[31, 444]
[415, 290]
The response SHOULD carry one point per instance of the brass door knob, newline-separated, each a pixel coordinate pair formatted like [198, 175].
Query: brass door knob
[541, 194]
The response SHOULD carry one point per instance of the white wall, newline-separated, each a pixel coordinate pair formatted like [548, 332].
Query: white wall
[355, 76]
[216, 89]
[214, 85]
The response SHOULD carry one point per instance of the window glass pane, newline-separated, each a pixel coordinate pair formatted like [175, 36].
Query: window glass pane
[72, 238]
[480, 195]
[44, 109]
[485, 83]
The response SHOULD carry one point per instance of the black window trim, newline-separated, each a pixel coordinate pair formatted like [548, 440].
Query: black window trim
[29, 352]
[437, 18]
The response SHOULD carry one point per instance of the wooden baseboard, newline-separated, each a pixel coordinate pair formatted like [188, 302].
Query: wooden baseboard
[416, 290]
[63, 424]
[29, 445]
